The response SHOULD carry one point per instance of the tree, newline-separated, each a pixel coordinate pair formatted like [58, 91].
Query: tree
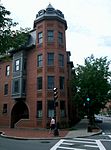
[10, 38]
[92, 82]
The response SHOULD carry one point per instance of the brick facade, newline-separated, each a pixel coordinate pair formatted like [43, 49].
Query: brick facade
[32, 109]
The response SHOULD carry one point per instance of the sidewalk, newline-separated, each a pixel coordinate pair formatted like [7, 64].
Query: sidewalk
[80, 130]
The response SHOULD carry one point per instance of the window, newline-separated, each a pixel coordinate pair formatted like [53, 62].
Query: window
[60, 37]
[50, 59]
[39, 60]
[6, 89]
[50, 108]
[50, 82]
[39, 109]
[61, 60]
[62, 109]
[17, 65]
[39, 83]
[16, 86]
[4, 108]
[50, 35]
[7, 70]
[24, 86]
[40, 37]
[61, 82]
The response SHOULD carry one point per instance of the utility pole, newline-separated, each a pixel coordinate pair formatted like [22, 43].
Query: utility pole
[88, 113]
[55, 100]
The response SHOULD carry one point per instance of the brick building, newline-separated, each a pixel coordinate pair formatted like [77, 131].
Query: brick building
[29, 74]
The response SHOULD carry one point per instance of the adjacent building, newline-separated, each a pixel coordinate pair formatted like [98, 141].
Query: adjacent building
[29, 74]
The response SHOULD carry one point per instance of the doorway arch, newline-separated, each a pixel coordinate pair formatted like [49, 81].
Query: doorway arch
[19, 111]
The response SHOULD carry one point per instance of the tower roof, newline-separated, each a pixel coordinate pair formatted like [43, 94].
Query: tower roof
[50, 13]
[50, 7]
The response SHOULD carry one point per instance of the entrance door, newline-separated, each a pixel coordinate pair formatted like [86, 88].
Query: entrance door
[19, 111]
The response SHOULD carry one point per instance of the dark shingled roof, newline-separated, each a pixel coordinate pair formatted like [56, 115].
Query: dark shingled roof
[50, 13]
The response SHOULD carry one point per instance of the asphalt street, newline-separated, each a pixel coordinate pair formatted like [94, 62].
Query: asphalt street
[96, 142]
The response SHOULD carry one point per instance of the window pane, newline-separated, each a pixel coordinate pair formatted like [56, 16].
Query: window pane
[16, 86]
[61, 60]
[6, 89]
[39, 83]
[60, 37]
[4, 108]
[50, 36]
[24, 86]
[50, 82]
[7, 70]
[61, 82]
[39, 109]
[39, 60]
[17, 65]
[40, 37]
[50, 59]
[62, 109]
[50, 108]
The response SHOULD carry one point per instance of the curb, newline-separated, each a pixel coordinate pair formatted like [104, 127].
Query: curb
[2, 134]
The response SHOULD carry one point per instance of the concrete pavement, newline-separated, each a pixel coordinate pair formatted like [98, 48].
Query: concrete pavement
[79, 130]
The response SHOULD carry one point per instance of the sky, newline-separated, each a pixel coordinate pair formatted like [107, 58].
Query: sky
[89, 24]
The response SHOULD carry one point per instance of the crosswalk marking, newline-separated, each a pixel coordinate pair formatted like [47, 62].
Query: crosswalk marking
[61, 147]
[57, 145]
[100, 145]
[73, 144]
[66, 143]
[109, 136]
[80, 141]
[91, 146]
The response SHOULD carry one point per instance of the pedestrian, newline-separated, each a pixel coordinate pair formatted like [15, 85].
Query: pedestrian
[52, 124]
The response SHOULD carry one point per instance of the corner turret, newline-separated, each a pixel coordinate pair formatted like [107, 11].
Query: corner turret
[50, 13]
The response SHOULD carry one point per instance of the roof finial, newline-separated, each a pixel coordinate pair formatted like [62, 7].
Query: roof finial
[50, 6]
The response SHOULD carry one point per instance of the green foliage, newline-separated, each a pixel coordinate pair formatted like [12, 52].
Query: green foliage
[92, 80]
[10, 38]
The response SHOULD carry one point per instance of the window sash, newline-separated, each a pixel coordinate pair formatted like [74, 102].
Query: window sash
[16, 86]
[39, 83]
[39, 60]
[60, 37]
[50, 35]
[40, 37]
[50, 108]
[7, 70]
[17, 65]
[5, 89]
[50, 59]
[50, 83]
[61, 60]
[4, 108]
[62, 109]
[61, 82]
[39, 109]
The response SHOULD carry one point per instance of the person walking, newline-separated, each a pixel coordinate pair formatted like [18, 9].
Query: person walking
[52, 124]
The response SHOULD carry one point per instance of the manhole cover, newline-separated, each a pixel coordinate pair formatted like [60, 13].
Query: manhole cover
[45, 142]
